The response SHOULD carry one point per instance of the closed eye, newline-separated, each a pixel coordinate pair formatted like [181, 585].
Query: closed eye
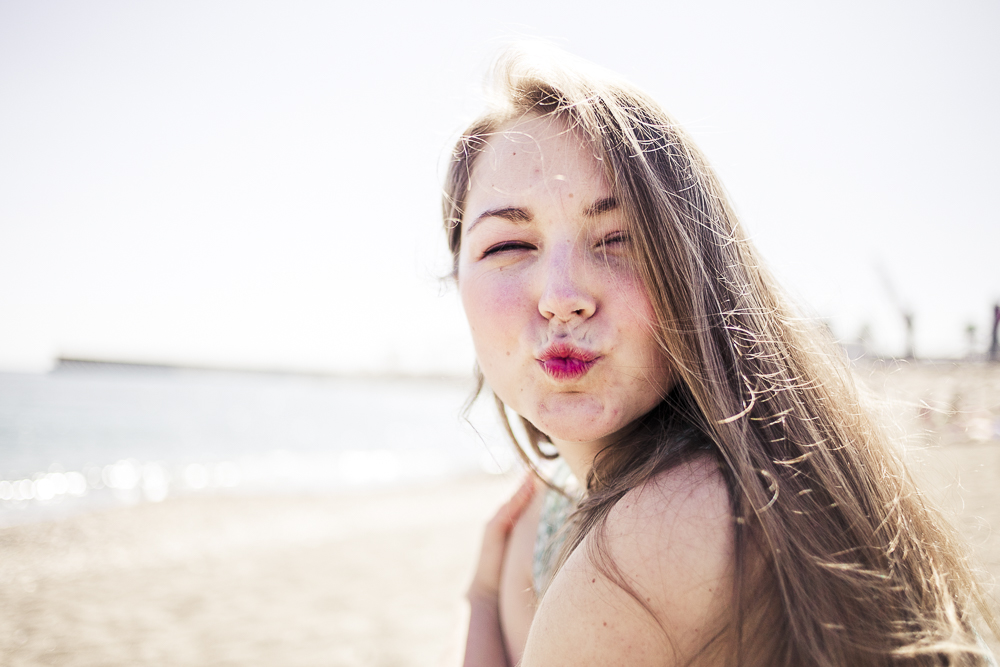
[613, 239]
[507, 246]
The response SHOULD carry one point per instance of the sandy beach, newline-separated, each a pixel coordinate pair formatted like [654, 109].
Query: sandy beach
[373, 578]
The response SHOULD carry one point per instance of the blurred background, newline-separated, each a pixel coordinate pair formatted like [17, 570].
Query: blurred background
[255, 186]
[234, 206]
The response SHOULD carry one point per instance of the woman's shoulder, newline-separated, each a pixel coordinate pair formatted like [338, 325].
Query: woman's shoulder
[656, 581]
[692, 494]
[672, 540]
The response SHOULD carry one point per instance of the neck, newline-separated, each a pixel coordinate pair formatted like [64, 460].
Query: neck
[579, 456]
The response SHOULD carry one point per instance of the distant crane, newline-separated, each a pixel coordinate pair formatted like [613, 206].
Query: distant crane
[995, 340]
[901, 307]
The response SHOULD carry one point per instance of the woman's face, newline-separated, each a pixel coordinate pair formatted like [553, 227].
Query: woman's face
[560, 320]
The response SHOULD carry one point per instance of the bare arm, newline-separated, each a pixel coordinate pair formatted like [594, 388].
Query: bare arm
[484, 646]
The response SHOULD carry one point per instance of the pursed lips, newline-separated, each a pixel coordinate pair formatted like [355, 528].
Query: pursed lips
[564, 361]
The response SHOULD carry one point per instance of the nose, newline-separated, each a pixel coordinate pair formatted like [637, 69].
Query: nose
[565, 293]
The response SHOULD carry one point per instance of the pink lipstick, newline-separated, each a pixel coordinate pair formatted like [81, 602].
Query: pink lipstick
[563, 361]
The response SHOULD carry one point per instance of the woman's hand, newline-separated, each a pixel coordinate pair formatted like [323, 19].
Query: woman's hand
[485, 646]
[486, 582]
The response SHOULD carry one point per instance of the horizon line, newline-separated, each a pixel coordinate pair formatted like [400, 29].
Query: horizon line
[72, 363]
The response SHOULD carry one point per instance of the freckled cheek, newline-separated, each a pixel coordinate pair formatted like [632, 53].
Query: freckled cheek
[636, 324]
[498, 311]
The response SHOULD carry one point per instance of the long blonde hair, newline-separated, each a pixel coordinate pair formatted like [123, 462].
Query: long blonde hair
[859, 568]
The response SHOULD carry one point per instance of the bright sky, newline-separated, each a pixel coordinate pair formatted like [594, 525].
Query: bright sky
[257, 184]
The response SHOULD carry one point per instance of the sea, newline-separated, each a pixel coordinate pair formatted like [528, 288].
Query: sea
[92, 436]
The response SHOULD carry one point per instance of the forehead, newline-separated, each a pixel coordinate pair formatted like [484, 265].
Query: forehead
[536, 155]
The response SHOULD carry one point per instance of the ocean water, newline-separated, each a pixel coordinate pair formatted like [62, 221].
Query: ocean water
[81, 438]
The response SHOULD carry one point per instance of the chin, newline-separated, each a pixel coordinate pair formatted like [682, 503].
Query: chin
[572, 417]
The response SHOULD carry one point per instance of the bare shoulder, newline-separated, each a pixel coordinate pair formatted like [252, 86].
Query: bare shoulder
[681, 512]
[655, 588]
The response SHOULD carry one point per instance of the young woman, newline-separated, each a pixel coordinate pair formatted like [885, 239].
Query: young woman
[736, 503]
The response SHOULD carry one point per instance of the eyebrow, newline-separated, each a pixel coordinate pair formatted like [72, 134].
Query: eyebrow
[520, 215]
[601, 206]
[509, 213]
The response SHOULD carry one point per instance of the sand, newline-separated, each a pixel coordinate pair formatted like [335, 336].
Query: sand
[368, 579]
[375, 579]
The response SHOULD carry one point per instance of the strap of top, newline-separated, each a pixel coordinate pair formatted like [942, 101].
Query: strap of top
[556, 508]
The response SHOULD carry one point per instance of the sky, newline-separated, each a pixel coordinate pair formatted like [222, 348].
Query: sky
[257, 184]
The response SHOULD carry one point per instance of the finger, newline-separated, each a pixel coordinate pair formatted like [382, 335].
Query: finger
[523, 494]
[510, 511]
